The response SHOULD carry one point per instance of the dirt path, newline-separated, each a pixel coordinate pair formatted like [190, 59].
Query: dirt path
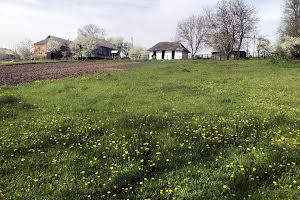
[16, 74]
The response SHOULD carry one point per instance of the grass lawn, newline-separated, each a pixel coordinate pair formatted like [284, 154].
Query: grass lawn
[167, 130]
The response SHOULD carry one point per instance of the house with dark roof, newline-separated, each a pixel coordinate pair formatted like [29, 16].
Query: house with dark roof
[41, 51]
[105, 50]
[168, 51]
[7, 54]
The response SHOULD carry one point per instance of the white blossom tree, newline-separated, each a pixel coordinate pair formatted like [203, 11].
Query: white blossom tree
[122, 45]
[86, 43]
[138, 53]
[53, 45]
[264, 46]
[291, 47]
[25, 49]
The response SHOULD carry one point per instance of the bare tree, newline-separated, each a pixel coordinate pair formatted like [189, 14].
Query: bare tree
[245, 19]
[221, 28]
[291, 19]
[229, 24]
[91, 30]
[192, 31]
[25, 49]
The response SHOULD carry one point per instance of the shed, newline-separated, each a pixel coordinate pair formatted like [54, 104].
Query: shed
[168, 51]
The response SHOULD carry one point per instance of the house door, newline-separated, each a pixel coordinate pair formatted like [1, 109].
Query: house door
[163, 55]
[173, 55]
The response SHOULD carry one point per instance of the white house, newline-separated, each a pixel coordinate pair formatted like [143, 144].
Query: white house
[168, 51]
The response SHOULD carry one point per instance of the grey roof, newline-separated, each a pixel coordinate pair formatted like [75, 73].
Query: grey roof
[7, 51]
[105, 43]
[63, 42]
[169, 46]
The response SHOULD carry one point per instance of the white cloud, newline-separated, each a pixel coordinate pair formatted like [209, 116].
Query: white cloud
[147, 21]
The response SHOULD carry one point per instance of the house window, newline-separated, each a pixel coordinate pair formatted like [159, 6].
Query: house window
[39, 51]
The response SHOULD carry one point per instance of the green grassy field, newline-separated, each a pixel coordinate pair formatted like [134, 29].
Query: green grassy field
[167, 130]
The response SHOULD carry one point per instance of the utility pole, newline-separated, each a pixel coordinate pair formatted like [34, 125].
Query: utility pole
[247, 46]
[254, 40]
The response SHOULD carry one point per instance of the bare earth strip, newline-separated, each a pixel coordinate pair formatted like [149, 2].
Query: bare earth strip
[16, 74]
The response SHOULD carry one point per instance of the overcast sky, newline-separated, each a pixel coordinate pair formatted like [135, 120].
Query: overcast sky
[146, 21]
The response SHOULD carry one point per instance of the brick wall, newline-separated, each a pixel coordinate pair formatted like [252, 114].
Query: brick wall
[40, 51]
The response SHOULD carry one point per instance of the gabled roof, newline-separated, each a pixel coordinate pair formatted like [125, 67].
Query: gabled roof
[7, 52]
[169, 46]
[105, 43]
[63, 42]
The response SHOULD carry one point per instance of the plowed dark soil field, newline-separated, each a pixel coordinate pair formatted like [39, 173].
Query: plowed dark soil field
[16, 74]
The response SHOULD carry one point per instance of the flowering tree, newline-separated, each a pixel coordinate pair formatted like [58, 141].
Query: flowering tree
[84, 47]
[25, 49]
[138, 53]
[291, 47]
[53, 45]
[87, 41]
[264, 47]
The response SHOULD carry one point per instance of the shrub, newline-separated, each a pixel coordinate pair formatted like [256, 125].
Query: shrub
[290, 47]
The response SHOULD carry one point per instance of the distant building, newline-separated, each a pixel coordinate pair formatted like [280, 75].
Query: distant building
[234, 55]
[40, 48]
[105, 50]
[8, 55]
[168, 51]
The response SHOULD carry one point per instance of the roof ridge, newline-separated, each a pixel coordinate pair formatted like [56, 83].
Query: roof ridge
[169, 46]
[45, 41]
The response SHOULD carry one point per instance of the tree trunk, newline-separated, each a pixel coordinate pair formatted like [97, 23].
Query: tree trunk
[228, 56]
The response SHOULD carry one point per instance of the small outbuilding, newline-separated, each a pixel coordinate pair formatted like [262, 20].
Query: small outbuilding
[8, 55]
[105, 50]
[168, 51]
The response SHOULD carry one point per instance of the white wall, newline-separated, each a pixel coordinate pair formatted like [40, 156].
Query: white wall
[178, 55]
[150, 55]
[159, 55]
[168, 55]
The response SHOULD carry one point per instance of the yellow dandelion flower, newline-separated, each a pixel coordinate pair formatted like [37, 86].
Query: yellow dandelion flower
[225, 187]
